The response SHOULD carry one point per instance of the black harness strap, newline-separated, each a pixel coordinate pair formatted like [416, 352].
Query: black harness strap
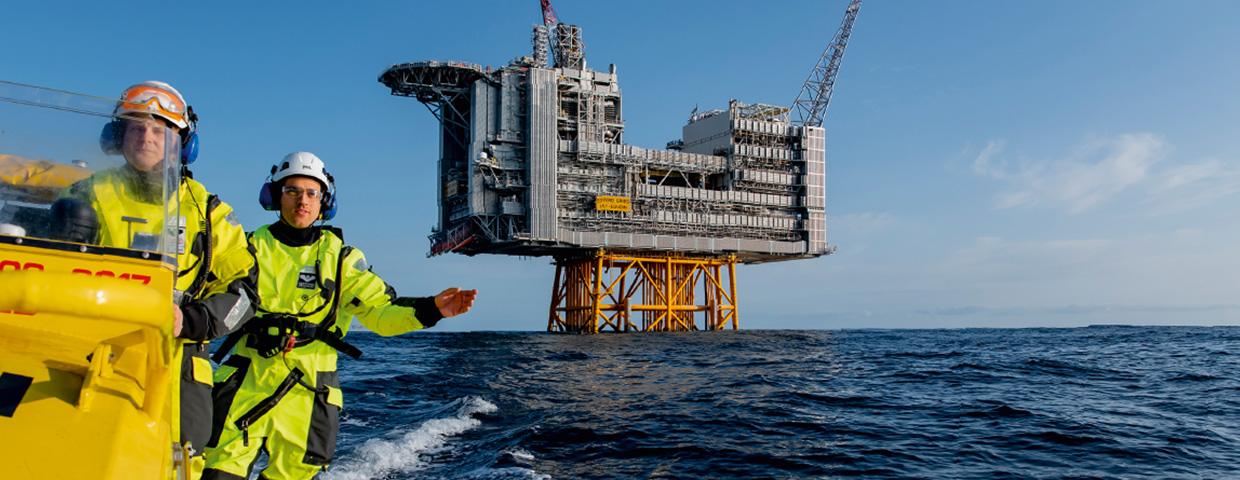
[244, 422]
[229, 342]
[291, 326]
[328, 335]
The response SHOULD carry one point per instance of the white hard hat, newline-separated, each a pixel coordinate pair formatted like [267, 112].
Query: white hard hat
[305, 164]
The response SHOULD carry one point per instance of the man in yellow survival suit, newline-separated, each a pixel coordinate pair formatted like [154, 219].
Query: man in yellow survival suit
[278, 392]
[215, 289]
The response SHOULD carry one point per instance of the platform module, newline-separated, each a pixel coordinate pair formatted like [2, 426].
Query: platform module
[533, 163]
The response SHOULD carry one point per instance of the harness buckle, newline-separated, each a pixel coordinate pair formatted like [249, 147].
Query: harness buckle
[289, 343]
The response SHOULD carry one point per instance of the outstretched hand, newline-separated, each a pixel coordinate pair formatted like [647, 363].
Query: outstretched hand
[454, 301]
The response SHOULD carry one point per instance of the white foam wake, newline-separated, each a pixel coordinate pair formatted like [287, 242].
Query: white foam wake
[380, 456]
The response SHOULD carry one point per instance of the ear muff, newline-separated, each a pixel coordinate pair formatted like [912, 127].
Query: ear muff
[329, 206]
[111, 136]
[189, 143]
[328, 210]
[267, 196]
[189, 149]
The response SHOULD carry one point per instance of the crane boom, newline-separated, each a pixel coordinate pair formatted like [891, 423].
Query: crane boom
[549, 18]
[812, 102]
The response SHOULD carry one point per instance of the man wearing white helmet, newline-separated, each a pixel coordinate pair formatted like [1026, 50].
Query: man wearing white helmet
[215, 282]
[278, 391]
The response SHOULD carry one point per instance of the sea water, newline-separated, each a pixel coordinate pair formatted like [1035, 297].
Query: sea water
[1098, 402]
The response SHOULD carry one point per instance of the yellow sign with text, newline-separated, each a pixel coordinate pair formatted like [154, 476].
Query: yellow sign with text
[614, 204]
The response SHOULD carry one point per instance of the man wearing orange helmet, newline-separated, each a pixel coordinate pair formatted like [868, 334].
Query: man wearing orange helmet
[215, 289]
[279, 392]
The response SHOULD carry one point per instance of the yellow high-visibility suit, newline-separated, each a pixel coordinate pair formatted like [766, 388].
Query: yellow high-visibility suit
[214, 286]
[278, 390]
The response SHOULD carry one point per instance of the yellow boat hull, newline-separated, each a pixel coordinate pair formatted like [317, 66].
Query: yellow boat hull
[86, 363]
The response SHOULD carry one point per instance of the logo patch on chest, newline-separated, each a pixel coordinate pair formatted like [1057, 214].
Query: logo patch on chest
[181, 235]
[308, 278]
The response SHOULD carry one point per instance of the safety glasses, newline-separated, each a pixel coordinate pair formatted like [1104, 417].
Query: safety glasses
[296, 192]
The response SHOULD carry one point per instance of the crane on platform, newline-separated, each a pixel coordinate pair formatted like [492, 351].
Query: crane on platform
[549, 18]
[560, 43]
[811, 103]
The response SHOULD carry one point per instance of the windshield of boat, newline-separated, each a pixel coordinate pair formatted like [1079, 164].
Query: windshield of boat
[72, 172]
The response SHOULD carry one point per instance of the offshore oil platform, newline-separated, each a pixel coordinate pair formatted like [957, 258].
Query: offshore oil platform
[532, 163]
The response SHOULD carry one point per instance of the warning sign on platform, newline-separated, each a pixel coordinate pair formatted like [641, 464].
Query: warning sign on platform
[614, 204]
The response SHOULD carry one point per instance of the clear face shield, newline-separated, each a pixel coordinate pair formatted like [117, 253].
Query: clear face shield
[70, 171]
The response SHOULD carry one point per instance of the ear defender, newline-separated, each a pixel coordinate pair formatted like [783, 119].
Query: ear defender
[189, 149]
[110, 137]
[189, 143]
[266, 197]
[329, 207]
[328, 211]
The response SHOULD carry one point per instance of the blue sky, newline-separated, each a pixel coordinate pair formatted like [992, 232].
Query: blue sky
[990, 164]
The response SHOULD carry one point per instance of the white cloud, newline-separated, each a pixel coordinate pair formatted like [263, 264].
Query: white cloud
[1184, 175]
[1192, 186]
[1089, 175]
[1101, 170]
[981, 165]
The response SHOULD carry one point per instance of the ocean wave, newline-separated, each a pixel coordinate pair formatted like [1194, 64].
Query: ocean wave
[402, 451]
